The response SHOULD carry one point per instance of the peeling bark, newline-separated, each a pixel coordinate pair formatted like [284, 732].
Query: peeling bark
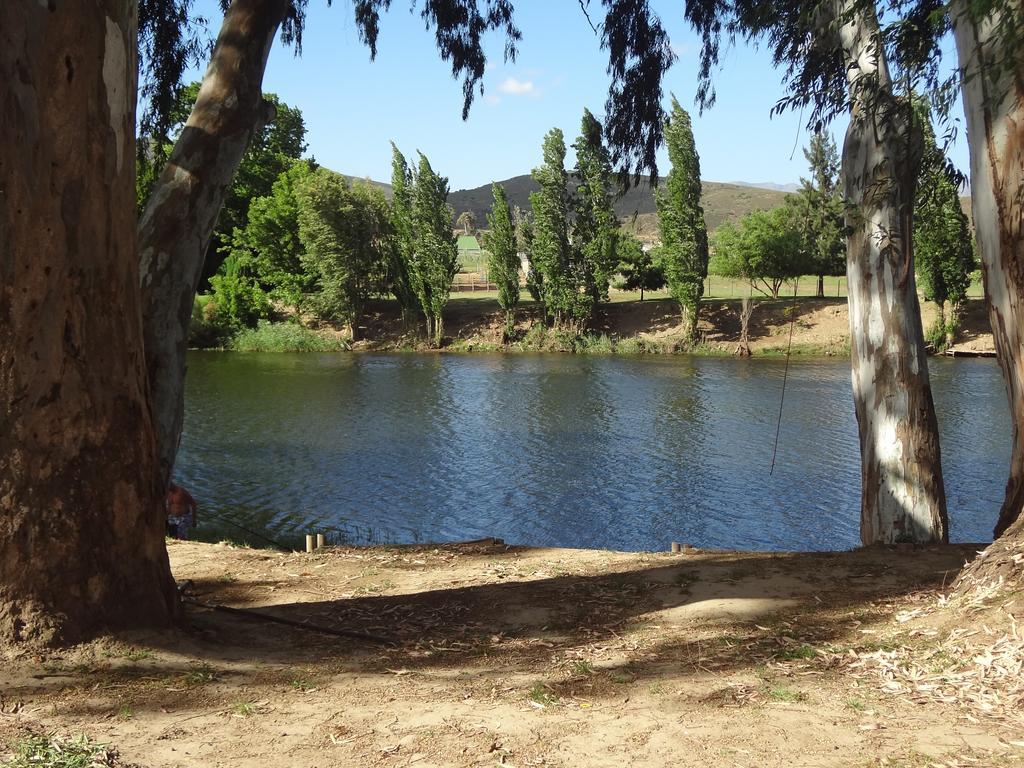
[993, 93]
[902, 493]
[182, 210]
[81, 512]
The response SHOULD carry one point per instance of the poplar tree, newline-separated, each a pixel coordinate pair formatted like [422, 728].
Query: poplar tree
[595, 232]
[503, 262]
[524, 243]
[401, 275]
[434, 244]
[551, 249]
[684, 235]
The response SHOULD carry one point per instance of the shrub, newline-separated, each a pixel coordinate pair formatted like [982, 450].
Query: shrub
[285, 337]
[208, 329]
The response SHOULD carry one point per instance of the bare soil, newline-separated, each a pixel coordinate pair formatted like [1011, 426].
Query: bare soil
[495, 655]
[818, 326]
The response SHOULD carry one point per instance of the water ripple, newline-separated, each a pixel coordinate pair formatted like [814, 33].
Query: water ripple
[625, 453]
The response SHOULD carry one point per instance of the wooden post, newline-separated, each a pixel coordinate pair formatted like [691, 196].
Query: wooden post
[310, 542]
[319, 541]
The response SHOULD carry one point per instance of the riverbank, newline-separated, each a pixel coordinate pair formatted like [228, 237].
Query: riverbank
[497, 655]
[475, 323]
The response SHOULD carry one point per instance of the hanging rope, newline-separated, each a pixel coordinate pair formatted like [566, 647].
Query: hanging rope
[785, 376]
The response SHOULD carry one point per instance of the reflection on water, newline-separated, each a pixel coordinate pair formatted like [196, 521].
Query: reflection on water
[623, 453]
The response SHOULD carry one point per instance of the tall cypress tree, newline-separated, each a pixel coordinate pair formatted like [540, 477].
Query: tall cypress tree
[684, 235]
[434, 243]
[402, 275]
[595, 232]
[503, 263]
[551, 249]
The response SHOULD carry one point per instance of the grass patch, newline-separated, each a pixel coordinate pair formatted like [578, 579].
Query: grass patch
[201, 675]
[541, 694]
[243, 709]
[784, 694]
[794, 652]
[58, 752]
[857, 705]
[582, 667]
[285, 337]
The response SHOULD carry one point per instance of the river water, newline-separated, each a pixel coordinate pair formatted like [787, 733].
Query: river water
[559, 450]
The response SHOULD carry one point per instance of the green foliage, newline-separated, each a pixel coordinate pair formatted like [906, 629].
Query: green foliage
[345, 230]
[641, 270]
[818, 209]
[284, 337]
[943, 247]
[524, 244]
[401, 278]
[595, 229]
[271, 152]
[239, 299]
[208, 329]
[435, 246]
[503, 261]
[684, 236]
[766, 248]
[270, 240]
[59, 752]
[552, 256]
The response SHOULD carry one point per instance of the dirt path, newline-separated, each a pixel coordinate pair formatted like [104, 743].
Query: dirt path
[513, 656]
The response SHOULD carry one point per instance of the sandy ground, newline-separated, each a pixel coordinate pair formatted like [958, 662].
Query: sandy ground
[494, 655]
[821, 326]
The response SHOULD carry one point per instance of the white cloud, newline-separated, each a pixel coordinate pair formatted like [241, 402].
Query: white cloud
[516, 87]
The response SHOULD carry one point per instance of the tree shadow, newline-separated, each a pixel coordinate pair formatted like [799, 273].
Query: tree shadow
[677, 618]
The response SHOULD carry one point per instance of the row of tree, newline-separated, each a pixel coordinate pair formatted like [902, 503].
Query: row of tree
[571, 237]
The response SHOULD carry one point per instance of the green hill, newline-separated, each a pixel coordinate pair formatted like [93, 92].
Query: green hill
[636, 209]
[722, 202]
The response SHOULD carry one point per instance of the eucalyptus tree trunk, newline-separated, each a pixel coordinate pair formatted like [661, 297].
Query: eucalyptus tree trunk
[81, 513]
[902, 494]
[182, 210]
[993, 94]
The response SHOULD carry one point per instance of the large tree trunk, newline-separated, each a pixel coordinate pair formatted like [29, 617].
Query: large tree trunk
[902, 494]
[993, 93]
[81, 513]
[181, 213]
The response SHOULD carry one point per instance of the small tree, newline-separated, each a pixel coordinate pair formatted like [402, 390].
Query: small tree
[270, 239]
[503, 262]
[467, 221]
[766, 249]
[524, 244]
[684, 236]
[818, 211]
[344, 230]
[434, 244]
[640, 269]
[943, 250]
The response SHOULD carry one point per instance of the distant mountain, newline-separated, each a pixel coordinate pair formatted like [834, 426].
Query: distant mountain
[722, 202]
[767, 185]
[636, 209]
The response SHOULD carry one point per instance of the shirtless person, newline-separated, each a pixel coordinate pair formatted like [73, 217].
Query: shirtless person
[181, 512]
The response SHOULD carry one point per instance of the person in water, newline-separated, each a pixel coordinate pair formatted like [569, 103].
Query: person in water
[181, 512]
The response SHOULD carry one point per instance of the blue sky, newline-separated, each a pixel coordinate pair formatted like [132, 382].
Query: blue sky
[354, 107]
